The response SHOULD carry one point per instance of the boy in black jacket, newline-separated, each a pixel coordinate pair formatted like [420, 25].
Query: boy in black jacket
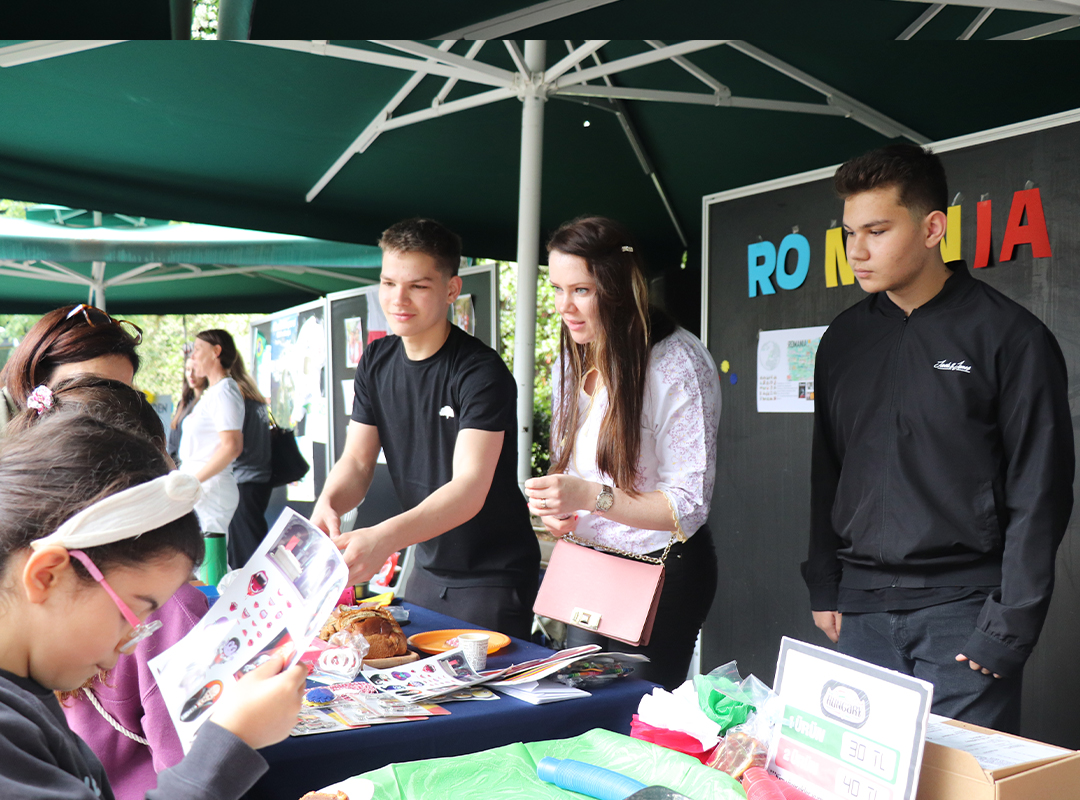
[941, 479]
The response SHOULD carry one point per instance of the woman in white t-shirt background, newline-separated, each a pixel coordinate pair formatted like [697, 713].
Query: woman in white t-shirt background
[212, 433]
[635, 409]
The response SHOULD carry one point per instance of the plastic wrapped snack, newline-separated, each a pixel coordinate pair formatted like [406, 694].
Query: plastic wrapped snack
[737, 753]
[589, 673]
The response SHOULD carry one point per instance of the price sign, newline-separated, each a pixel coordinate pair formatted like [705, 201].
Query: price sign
[851, 730]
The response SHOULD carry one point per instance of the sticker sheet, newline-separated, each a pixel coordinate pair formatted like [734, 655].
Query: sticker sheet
[276, 603]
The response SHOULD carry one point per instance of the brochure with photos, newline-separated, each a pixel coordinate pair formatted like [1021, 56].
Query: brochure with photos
[275, 604]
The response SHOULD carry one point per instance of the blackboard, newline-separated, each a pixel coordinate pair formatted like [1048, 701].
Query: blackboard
[760, 506]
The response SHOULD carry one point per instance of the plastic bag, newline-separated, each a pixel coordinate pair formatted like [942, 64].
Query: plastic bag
[342, 660]
[749, 712]
[726, 698]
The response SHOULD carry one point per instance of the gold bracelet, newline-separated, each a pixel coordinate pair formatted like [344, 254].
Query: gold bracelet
[678, 525]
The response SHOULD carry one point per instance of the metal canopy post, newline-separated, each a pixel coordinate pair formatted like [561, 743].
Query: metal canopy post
[528, 248]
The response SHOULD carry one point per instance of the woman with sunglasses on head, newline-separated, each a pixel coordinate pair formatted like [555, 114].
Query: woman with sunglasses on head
[636, 405]
[95, 533]
[212, 435]
[189, 395]
[71, 340]
[121, 713]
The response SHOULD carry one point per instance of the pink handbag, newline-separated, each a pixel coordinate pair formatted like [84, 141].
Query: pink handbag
[613, 596]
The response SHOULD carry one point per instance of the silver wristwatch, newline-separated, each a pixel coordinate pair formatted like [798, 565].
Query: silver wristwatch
[605, 499]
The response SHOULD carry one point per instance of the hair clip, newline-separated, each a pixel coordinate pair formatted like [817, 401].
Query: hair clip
[627, 248]
[41, 399]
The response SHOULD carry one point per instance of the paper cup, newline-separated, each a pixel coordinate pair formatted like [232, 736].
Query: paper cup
[475, 646]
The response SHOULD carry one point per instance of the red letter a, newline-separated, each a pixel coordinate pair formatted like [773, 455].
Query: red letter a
[1034, 233]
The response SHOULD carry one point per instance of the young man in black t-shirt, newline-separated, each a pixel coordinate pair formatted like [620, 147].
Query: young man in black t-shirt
[441, 405]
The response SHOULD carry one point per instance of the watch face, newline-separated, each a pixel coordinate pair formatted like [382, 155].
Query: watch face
[604, 501]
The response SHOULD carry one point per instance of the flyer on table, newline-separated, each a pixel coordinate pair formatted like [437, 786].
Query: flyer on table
[276, 603]
[851, 729]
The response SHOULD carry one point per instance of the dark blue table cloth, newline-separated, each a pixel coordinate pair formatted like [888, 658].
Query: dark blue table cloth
[303, 763]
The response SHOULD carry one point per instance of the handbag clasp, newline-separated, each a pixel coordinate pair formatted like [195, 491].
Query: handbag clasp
[585, 619]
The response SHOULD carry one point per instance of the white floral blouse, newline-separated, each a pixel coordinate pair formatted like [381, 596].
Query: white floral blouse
[680, 416]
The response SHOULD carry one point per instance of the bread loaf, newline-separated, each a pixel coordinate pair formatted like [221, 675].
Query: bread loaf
[384, 636]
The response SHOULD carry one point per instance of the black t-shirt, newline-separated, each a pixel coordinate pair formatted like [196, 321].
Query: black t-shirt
[419, 407]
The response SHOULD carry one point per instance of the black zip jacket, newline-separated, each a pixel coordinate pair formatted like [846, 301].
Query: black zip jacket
[943, 456]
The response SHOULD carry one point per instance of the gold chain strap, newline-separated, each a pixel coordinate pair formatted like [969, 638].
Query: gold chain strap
[647, 559]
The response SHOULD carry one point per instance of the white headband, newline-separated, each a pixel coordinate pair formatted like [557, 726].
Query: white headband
[129, 513]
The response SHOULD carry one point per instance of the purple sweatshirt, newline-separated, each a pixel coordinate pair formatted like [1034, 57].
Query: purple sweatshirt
[133, 699]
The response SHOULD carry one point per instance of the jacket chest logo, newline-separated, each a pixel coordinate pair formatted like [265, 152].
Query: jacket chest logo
[953, 366]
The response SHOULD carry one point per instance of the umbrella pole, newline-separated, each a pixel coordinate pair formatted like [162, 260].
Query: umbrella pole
[528, 249]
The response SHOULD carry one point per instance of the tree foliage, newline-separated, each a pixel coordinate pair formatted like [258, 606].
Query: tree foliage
[161, 352]
[548, 324]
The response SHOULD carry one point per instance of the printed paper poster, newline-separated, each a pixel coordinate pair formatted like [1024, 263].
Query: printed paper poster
[463, 314]
[354, 341]
[785, 368]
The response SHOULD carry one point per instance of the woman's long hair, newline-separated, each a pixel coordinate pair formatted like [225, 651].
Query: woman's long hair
[244, 380]
[620, 352]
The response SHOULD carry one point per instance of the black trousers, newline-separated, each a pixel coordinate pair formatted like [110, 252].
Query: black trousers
[506, 609]
[690, 576]
[248, 527]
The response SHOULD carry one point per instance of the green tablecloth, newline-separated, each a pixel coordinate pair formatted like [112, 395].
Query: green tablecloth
[510, 772]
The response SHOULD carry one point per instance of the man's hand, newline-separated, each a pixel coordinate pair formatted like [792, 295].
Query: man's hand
[961, 657]
[364, 552]
[829, 621]
[326, 519]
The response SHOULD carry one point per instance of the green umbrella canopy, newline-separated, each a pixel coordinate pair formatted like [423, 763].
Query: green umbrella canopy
[240, 134]
[59, 255]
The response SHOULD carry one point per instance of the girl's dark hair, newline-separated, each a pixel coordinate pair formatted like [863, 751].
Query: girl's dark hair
[63, 337]
[187, 396]
[112, 402]
[224, 340]
[628, 329]
[56, 468]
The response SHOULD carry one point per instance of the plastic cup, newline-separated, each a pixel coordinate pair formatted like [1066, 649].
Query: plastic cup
[475, 646]
[215, 562]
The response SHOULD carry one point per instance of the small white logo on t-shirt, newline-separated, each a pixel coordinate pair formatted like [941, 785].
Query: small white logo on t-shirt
[447, 412]
[953, 366]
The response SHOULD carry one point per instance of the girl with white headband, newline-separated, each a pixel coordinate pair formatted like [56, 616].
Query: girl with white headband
[95, 533]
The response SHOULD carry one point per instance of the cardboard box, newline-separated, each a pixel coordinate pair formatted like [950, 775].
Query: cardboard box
[950, 774]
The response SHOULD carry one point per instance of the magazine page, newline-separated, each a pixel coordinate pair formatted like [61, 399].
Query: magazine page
[441, 674]
[276, 603]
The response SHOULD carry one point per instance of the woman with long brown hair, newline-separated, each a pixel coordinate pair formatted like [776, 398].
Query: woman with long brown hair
[636, 405]
[212, 437]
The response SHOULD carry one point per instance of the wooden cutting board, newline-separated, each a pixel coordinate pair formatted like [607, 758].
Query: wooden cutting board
[395, 661]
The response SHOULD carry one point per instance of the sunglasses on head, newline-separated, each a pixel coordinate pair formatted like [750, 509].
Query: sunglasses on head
[90, 312]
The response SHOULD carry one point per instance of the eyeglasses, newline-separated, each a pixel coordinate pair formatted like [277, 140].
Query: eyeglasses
[139, 630]
[135, 331]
